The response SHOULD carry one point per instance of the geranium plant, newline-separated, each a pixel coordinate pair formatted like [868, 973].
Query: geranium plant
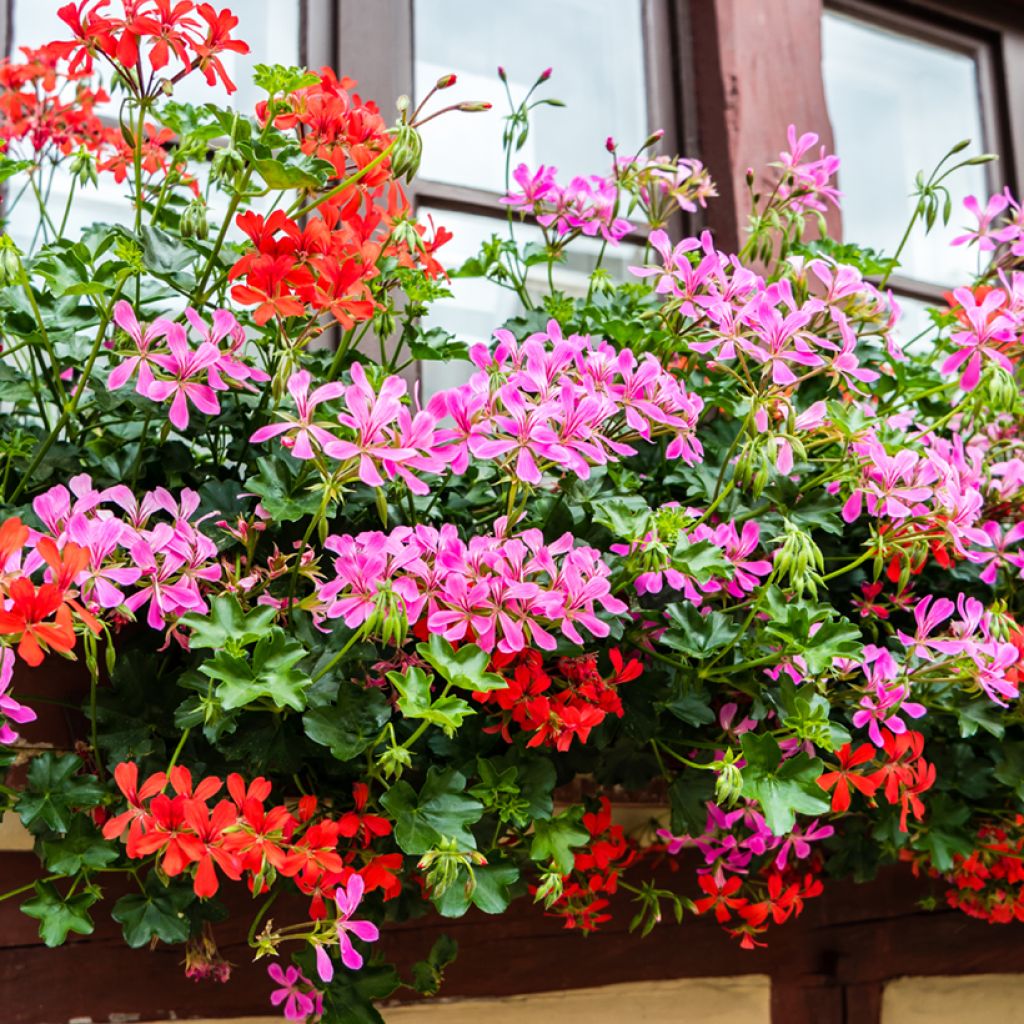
[708, 530]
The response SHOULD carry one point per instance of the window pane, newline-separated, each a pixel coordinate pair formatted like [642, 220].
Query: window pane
[477, 307]
[596, 50]
[897, 105]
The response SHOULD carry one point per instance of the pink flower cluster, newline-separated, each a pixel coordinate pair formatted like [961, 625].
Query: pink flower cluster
[739, 317]
[731, 840]
[737, 546]
[383, 438]
[549, 402]
[940, 484]
[146, 552]
[973, 645]
[885, 695]
[987, 329]
[994, 229]
[166, 366]
[572, 402]
[806, 184]
[661, 179]
[502, 591]
[586, 206]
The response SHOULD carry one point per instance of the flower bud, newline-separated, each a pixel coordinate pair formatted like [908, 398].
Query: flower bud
[729, 782]
[446, 81]
[407, 152]
[10, 261]
[474, 107]
[544, 75]
[609, 144]
[194, 223]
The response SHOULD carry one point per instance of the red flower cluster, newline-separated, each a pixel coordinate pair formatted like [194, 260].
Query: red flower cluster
[151, 34]
[40, 617]
[335, 125]
[557, 706]
[325, 265]
[48, 106]
[780, 896]
[989, 884]
[241, 836]
[595, 875]
[902, 779]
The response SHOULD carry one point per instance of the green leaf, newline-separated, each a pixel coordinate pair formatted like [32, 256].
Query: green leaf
[701, 561]
[690, 705]
[414, 701]
[351, 724]
[428, 975]
[54, 791]
[163, 252]
[627, 517]
[465, 668]
[278, 175]
[226, 625]
[782, 788]
[440, 810]
[695, 635]
[554, 839]
[273, 485]
[488, 890]
[58, 916]
[271, 674]
[81, 847]
[159, 913]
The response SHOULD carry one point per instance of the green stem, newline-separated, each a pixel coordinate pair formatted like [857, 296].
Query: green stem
[70, 407]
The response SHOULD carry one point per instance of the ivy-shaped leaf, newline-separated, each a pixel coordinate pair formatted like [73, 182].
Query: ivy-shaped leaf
[58, 916]
[270, 674]
[782, 788]
[441, 809]
[81, 847]
[465, 668]
[553, 840]
[226, 625]
[55, 790]
[351, 724]
[159, 913]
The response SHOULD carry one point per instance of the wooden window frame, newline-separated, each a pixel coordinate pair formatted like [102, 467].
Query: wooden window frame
[951, 27]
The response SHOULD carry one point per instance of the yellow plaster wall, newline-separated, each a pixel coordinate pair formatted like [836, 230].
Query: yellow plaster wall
[700, 1001]
[976, 999]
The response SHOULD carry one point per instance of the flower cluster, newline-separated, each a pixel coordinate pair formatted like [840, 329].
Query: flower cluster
[901, 778]
[47, 107]
[663, 186]
[165, 366]
[154, 42]
[573, 402]
[380, 438]
[560, 704]
[127, 556]
[241, 837]
[582, 899]
[502, 591]
[988, 883]
[586, 206]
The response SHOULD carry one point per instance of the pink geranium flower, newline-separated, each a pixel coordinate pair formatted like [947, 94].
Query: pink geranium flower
[302, 431]
[185, 365]
[143, 359]
[348, 900]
